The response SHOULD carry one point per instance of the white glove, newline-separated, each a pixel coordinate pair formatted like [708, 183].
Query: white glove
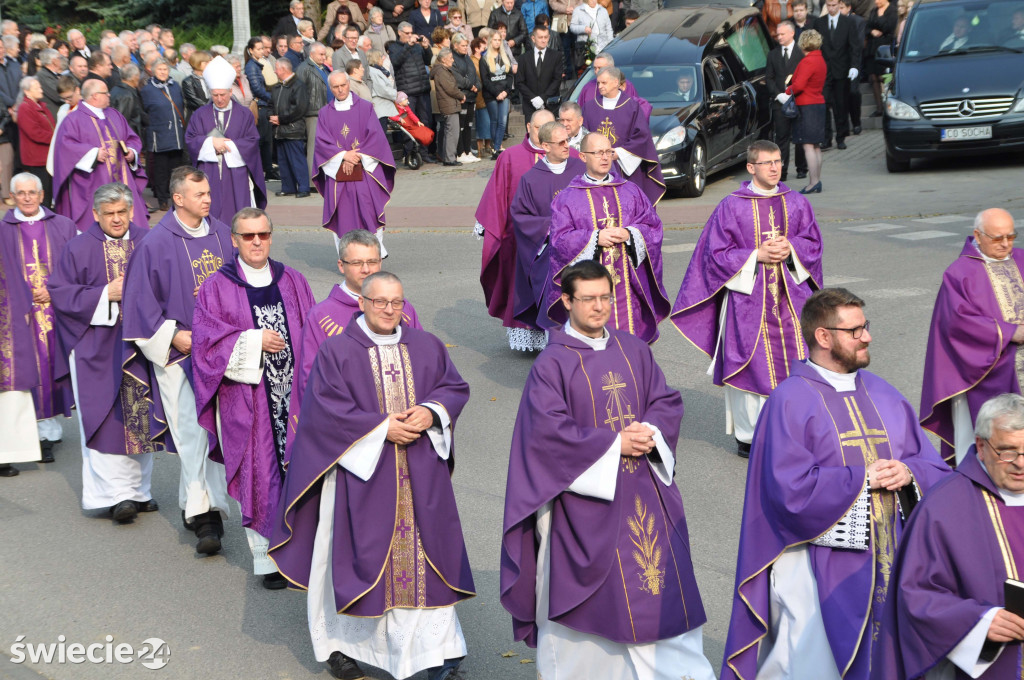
[782, 97]
[853, 74]
[537, 102]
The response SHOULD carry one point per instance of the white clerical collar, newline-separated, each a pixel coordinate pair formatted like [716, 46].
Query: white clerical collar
[763, 192]
[99, 112]
[377, 338]
[840, 382]
[198, 232]
[610, 103]
[577, 138]
[557, 168]
[345, 289]
[225, 109]
[597, 344]
[1011, 499]
[22, 217]
[536, 149]
[257, 278]
[108, 237]
[591, 180]
[344, 104]
[991, 259]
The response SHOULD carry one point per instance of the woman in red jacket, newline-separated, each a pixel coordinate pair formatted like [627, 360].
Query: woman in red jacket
[806, 85]
[35, 129]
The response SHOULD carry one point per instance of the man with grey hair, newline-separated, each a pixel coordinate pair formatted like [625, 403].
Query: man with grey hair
[10, 27]
[78, 67]
[974, 346]
[120, 428]
[185, 51]
[53, 64]
[38, 235]
[247, 322]
[449, 103]
[125, 97]
[314, 74]
[78, 44]
[349, 49]
[390, 493]
[602, 61]
[289, 24]
[570, 115]
[950, 614]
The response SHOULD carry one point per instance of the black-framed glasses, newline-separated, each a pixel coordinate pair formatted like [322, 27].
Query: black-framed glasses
[604, 153]
[591, 299]
[1008, 238]
[856, 331]
[249, 236]
[1005, 455]
[359, 264]
[772, 163]
[381, 303]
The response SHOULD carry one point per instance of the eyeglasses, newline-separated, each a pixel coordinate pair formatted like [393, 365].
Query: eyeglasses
[856, 331]
[1005, 238]
[26, 194]
[564, 142]
[601, 154]
[772, 163]
[1005, 455]
[381, 303]
[591, 299]
[359, 264]
[248, 237]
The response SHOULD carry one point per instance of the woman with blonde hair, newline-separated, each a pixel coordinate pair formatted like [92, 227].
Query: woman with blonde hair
[807, 84]
[496, 78]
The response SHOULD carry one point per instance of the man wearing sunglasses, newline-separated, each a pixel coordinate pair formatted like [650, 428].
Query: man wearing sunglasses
[247, 322]
[837, 465]
[756, 262]
[949, 615]
[976, 333]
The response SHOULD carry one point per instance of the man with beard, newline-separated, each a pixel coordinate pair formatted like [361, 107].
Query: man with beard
[837, 464]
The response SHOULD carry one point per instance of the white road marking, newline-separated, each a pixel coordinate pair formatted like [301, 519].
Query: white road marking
[842, 280]
[681, 248]
[868, 228]
[891, 293]
[922, 235]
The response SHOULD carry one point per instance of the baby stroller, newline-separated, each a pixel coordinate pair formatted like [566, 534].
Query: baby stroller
[401, 139]
[411, 136]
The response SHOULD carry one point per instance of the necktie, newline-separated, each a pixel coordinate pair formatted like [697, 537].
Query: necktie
[540, 58]
[832, 25]
[785, 54]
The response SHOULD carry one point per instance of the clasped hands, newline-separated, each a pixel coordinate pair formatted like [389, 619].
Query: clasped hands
[349, 161]
[610, 236]
[637, 440]
[404, 428]
[103, 155]
[888, 474]
[774, 251]
[220, 145]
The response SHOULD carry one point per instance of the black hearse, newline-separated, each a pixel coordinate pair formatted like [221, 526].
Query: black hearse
[957, 82]
[722, 50]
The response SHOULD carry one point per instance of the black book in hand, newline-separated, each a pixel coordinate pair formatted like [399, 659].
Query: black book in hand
[1013, 594]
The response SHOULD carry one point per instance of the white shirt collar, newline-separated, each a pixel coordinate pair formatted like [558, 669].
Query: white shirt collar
[557, 168]
[22, 217]
[111, 238]
[840, 382]
[610, 103]
[345, 289]
[378, 339]
[202, 230]
[763, 192]
[986, 258]
[344, 104]
[99, 112]
[258, 278]
[591, 180]
[598, 344]
[225, 109]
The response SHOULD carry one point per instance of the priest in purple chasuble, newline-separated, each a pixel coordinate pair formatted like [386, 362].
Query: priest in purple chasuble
[246, 325]
[18, 372]
[182, 251]
[837, 464]
[600, 217]
[589, 91]
[367, 522]
[350, 143]
[756, 262]
[95, 146]
[359, 255]
[114, 413]
[531, 220]
[613, 114]
[595, 558]
[37, 236]
[223, 142]
[945, 617]
[977, 327]
[494, 226]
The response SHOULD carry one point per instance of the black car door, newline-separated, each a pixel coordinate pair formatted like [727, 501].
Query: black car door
[716, 120]
[737, 111]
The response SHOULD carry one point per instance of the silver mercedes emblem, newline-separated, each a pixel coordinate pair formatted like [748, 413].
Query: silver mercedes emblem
[966, 108]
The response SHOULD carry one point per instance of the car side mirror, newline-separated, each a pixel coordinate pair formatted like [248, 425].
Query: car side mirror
[885, 56]
[719, 97]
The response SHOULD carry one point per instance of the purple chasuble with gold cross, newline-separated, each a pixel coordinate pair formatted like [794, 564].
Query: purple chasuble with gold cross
[397, 540]
[628, 127]
[810, 451]
[620, 569]
[757, 338]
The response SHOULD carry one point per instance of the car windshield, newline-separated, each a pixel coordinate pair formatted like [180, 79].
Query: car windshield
[940, 29]
[675, 85]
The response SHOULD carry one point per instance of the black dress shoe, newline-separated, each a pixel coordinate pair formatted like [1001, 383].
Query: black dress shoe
[47, 448]
[840, 144]
[742, 449]
[452, 164]
[9, 471]
[801, 174]
[302, 194]
[343, 667]
[825, 145]
[124, 512]
[147, 506]
[857, 129]
[428, 158]
[163, 206]
[284, 193]
[273, 174]
[274, 581]
[209, 528]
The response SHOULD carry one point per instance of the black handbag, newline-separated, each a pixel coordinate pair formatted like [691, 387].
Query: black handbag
[789, 109]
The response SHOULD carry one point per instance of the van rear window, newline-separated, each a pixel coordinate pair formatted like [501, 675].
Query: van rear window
[750, 44]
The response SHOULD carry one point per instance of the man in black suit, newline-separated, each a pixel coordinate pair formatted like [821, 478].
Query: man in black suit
[289, 25]
[78, 45]
[842, 51]
[513, 19]
[782, 62]
[854, 101]
[540, 72]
